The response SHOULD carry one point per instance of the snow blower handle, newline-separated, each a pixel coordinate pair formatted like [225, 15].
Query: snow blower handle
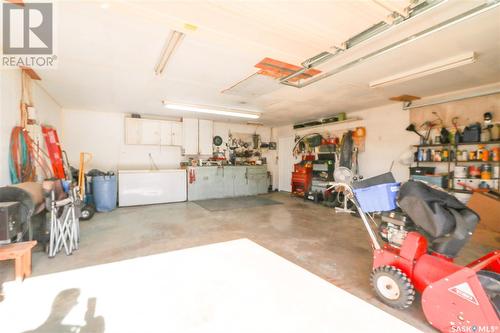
[349, 193]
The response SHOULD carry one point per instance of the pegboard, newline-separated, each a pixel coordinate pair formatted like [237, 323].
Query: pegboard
[468, 111]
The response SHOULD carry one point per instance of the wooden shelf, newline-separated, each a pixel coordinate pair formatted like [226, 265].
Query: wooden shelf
[348, 120]
[458, 144]
[457, 162]
[456, 190]
[433, 145]
[475, 178]
[476, 161]
[495, 142]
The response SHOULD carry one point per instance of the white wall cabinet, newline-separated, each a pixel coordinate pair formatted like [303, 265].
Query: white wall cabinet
[166, 133]
[197, 136]
[190, 136]
[176, 133]
[133, 131]
[152, 132]
[205, 136]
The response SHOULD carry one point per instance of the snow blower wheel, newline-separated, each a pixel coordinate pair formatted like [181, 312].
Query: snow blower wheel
[87, 212]
[393, 287]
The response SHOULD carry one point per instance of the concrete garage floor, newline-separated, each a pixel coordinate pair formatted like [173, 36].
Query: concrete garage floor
[332, 246]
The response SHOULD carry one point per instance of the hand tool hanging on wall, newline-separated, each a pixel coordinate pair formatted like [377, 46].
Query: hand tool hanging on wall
[192, 176]
[300, 142]
[26, 97]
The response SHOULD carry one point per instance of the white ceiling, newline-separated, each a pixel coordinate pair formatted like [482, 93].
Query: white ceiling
[106, 57]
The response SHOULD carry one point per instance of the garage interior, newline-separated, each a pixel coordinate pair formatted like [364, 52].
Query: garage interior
[250, 166]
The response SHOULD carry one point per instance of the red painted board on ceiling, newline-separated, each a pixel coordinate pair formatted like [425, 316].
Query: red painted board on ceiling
[31, 73]
[279, 69]
[16, 2]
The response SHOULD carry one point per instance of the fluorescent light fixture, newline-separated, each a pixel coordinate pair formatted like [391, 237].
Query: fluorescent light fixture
[229, 113]
[169, 48]
[436, 67]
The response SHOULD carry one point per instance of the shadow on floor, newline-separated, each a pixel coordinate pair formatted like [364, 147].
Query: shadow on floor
[61, 306]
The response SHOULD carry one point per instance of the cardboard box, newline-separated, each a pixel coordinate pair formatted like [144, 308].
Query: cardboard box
[488, 207]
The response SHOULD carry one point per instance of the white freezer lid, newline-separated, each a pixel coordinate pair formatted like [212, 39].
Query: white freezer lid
[153, 171]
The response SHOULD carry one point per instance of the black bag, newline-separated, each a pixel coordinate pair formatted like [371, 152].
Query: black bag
[472, 133]
[447, 221]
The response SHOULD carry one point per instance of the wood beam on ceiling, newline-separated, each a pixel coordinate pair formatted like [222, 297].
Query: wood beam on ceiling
[16, 2]
[31, 73]
[404, 98]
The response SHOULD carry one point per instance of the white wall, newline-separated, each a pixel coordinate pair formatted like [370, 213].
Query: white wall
[386, 138]
[48, 113]
[103, 135]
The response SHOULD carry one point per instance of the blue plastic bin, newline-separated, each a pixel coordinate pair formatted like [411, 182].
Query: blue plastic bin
[104, 189]
[378, 198]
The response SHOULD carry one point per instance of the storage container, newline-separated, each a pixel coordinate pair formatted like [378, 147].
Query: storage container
[472, 133]
[460, 171]
[105, 193]
[378, 198]
[441, 181]
[466, 183]
[422, 170]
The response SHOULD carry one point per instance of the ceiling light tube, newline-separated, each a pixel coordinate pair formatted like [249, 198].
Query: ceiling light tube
[180, 107]
[433, 68]
[169, 48]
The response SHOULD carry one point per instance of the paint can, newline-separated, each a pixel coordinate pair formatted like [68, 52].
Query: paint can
[486, 171]
[495, 154]
[465, 154]
[486, 155]
[460, 171]
[474, 171]
[472, 156]
[496, 171]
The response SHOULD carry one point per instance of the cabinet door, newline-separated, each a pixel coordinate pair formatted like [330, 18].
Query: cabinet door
[133, 131]
[176, 133]
[150, 132]
[190, 136]
[257, 184]
[166, 133]
[228, 182]
[205, 137]
[240, 181]
[207, 185]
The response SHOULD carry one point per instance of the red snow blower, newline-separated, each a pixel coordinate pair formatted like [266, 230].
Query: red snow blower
[419, 241]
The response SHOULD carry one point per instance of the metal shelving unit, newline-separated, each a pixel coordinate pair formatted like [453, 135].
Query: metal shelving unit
[454, 162]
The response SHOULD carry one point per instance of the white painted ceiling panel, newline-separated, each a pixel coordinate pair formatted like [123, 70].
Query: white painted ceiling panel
[107, 57]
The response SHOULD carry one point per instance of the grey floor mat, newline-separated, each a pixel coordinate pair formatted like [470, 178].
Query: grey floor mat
[215, 205]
